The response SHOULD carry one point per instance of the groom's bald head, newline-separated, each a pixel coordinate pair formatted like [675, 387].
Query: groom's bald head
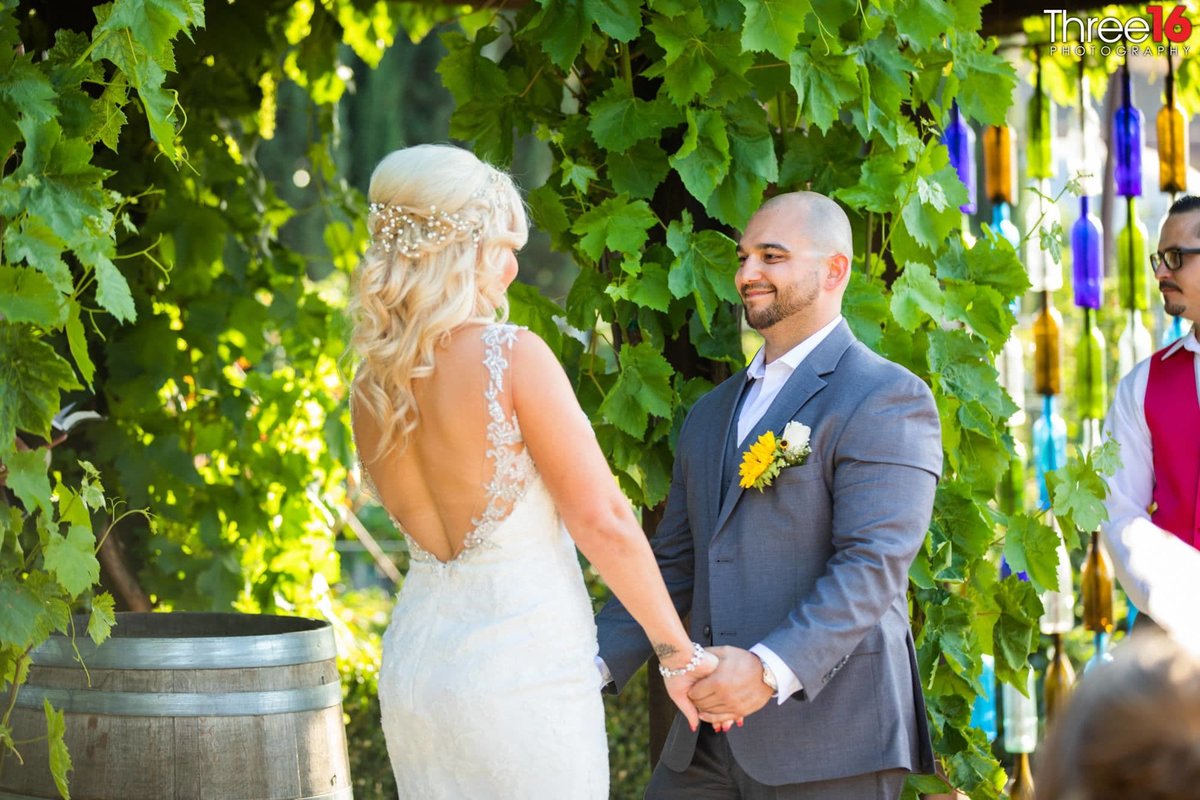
[821, 221]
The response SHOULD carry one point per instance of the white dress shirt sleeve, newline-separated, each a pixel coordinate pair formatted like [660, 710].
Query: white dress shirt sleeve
[789, 684]
[1156, 569]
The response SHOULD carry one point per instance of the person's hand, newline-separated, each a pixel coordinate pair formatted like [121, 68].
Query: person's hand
[733, 691]
[679, 687]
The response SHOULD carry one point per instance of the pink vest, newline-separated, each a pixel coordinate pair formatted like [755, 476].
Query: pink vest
[1173, 416]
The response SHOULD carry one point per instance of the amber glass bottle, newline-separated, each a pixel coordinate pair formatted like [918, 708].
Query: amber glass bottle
[1047, 353]
[1096, 585]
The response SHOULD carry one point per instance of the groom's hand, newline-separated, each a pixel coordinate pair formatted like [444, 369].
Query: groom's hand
[734, 690]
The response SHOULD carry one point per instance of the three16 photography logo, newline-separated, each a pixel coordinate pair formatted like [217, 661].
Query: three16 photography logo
[1163, 28]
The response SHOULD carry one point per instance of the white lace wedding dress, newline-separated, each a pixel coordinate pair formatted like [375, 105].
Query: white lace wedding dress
[488, 685]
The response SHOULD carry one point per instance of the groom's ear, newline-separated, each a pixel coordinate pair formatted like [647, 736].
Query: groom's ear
[839, 271]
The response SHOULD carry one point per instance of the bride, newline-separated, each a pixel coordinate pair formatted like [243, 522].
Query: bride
[474, 442]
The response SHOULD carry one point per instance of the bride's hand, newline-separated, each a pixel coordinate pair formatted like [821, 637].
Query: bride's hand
[679, 686]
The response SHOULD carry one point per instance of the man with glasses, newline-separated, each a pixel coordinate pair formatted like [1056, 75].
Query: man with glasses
[1153, 528]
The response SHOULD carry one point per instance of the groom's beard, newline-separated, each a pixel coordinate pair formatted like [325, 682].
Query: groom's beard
[1174, 309]
[788, 301]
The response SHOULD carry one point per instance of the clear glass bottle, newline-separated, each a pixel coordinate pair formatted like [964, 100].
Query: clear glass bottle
[1134, 343]
[1045, 274]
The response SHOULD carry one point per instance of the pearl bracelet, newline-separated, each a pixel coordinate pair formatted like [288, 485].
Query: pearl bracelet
[698, 654]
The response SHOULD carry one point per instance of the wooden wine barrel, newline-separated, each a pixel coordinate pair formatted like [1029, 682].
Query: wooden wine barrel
[230, 706]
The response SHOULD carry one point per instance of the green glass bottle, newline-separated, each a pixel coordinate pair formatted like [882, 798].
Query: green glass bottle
[1089, 372]
[1039, 155]
[1133, 268]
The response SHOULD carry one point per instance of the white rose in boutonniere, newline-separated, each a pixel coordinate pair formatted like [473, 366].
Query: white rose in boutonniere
[767, 457]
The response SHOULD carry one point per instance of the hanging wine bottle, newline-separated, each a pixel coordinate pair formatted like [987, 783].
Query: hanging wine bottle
[1002, 223]
[1089, 149]
[1133, 265]
[1058, 604]
[1020, 783]
[1047, 340]
[1020, 717]
[1049, 445]
[959, 139]
[1089, 370]
[1130, 140]
[1096, 585]
[998, 163]
[1040, 113]
[1060, 679]
[1086, 241]
[1134, 344]
[983, 710]
[1172, 140]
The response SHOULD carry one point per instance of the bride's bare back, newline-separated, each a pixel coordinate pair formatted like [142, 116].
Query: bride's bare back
[436, 487]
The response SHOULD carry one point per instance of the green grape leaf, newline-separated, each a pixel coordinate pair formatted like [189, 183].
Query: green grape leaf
[774, 25]
[643, 388]
[27, 295]
[686, 70]
[639, 170]
[72, 559]
[112, 291]
[21, 615]
[922, 22]
[824, 84]
[109, 117]
[962, 366]
[620, 19]
[880, 184]
[532, 309]
[822, 160]
[28, 479]
[916, 297]
[619, 120]
[986, 80]
[60, 759]
[35, 243]
[560, 28]
[1078, 491]
[1032, 547]
[25, 87]
[992, 262]
[617, 224]
[704, 158]
[102, 618]
[1013, 636]
[866, 308]
[704, 267]
[649, 289]
[32, 375]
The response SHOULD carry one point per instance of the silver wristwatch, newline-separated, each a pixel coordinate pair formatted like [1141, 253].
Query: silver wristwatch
[769, 678]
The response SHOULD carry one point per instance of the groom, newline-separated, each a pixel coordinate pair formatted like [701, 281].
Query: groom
[800, 587]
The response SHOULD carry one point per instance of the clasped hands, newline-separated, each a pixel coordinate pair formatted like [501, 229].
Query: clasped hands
[721, 691]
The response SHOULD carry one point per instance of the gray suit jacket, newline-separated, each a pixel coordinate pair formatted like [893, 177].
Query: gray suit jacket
[815, 566]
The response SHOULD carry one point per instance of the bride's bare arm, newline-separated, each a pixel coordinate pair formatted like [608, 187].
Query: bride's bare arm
[562, 444]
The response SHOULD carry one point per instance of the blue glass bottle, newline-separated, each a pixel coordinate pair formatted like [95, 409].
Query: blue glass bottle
[959, 139]
[1086, 239]
[1130, 139]
[1049, 445]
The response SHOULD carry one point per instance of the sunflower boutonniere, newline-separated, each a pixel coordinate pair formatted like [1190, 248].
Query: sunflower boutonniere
[767, 457]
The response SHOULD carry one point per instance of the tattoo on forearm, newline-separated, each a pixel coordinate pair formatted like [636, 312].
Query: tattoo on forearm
[665, 651]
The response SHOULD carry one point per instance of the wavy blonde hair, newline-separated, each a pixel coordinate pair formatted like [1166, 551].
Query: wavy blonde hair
[410, 293]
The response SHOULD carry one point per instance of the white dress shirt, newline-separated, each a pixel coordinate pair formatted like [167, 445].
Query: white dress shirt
[1159, 572]
[768, 381]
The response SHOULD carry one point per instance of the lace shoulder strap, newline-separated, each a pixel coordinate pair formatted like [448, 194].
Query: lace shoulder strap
[512, 469]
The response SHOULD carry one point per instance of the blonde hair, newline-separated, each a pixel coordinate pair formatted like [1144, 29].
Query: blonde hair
[1131, 729]
[442, 223]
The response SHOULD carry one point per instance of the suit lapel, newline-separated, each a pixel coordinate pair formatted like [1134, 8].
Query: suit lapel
[805, 382]
[723, 420]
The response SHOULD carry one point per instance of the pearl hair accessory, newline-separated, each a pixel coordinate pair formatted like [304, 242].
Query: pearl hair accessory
[413, 232]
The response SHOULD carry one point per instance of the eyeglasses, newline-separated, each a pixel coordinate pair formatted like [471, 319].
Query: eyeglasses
[1172, 258]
